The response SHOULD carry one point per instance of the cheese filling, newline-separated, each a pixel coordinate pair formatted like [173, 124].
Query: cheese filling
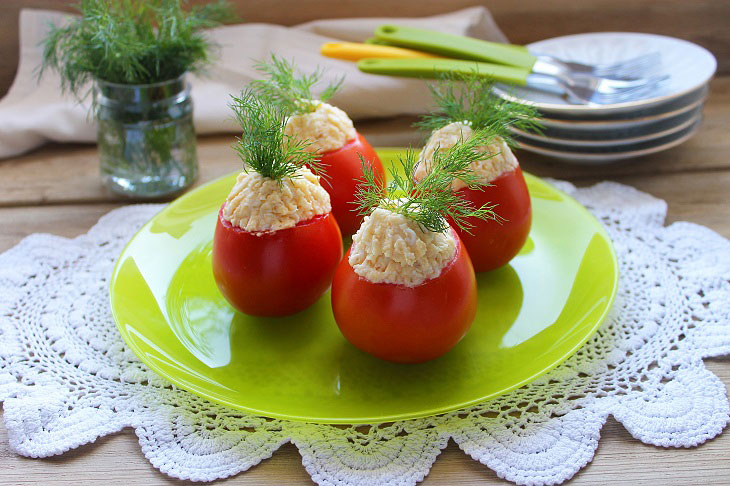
[258, 204]
[327, 128]
[487, 169]
[390, 248]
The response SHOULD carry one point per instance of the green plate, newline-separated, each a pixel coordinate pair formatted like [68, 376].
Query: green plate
[533, 314]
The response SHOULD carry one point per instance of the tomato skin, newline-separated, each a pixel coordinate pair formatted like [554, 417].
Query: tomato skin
[276, 273]
[406, 324]
[343, 173]
[494, 244]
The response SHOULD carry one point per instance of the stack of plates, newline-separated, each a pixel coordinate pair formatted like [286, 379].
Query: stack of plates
[660, 119]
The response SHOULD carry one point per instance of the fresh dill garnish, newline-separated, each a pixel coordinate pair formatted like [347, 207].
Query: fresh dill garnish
[469, 98]
[131, 41]
[430, 200]
[291, 90]
[263, 146]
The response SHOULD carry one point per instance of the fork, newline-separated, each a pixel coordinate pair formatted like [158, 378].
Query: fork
[635, 67]
[588, 89]
[592, 93]
[468, 48]
[603, 84]
[608, 86]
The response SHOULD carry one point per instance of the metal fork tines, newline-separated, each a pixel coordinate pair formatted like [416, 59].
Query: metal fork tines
[593, 92]
[636, 67]
[605, 86]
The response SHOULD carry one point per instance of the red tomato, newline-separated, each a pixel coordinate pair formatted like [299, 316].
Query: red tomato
[406, 324]
[276, 273]
[493, 244]
[343, 174]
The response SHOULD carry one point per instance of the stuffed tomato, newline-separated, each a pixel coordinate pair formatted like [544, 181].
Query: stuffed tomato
[406, 290]
[405, 320]
[339, 149]
[491, 243]
[276, 244]
[343, 173]
[323, 130]
[275, 273]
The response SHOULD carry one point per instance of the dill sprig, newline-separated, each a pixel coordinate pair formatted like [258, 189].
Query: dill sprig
[263, 146]
[469, 98]
[430, 200]
[131, 41]
[291, 90]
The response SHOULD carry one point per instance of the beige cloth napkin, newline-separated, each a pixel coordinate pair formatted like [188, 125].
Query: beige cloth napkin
[35, 112]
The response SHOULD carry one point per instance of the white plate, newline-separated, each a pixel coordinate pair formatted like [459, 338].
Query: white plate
[591, 126]
[609, 154]
[688, 65]
[646, 137]
[635, 119]
[608, 137]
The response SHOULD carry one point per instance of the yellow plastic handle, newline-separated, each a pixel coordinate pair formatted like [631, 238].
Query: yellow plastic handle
[353, 51]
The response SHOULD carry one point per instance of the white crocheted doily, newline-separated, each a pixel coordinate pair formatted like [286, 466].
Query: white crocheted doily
[67, 378]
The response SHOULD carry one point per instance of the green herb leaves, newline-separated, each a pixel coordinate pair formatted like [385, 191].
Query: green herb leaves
[430, 200]
[263, 146]
[262, 111]
[290, 90]
[132, 41]
[469, 98]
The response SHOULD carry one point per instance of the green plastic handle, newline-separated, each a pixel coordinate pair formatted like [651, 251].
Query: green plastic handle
[381, 42]
[435, 68]
[455, 46]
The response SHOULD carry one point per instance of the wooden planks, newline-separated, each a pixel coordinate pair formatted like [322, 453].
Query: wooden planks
[69, 174]
[701, 197]
[700, 21]
[61, 220]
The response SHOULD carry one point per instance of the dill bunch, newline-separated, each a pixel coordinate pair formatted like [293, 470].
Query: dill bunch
[430, 200]
[263, 146]
[131, 41]
[469, 97]
[290, 90]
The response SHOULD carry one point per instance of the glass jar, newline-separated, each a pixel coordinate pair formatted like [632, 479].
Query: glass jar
[146, 137]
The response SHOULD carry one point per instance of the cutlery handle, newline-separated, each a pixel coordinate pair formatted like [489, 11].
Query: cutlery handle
[352, 51]
[456, 46]
[383, 42]
[434, 68]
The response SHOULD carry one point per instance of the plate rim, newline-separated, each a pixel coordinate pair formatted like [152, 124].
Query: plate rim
[617, 107]
[578, 158]
[569, 142]
[589, 125]
[151, 364]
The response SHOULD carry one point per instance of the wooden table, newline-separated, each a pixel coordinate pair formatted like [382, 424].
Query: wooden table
[58, 189]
